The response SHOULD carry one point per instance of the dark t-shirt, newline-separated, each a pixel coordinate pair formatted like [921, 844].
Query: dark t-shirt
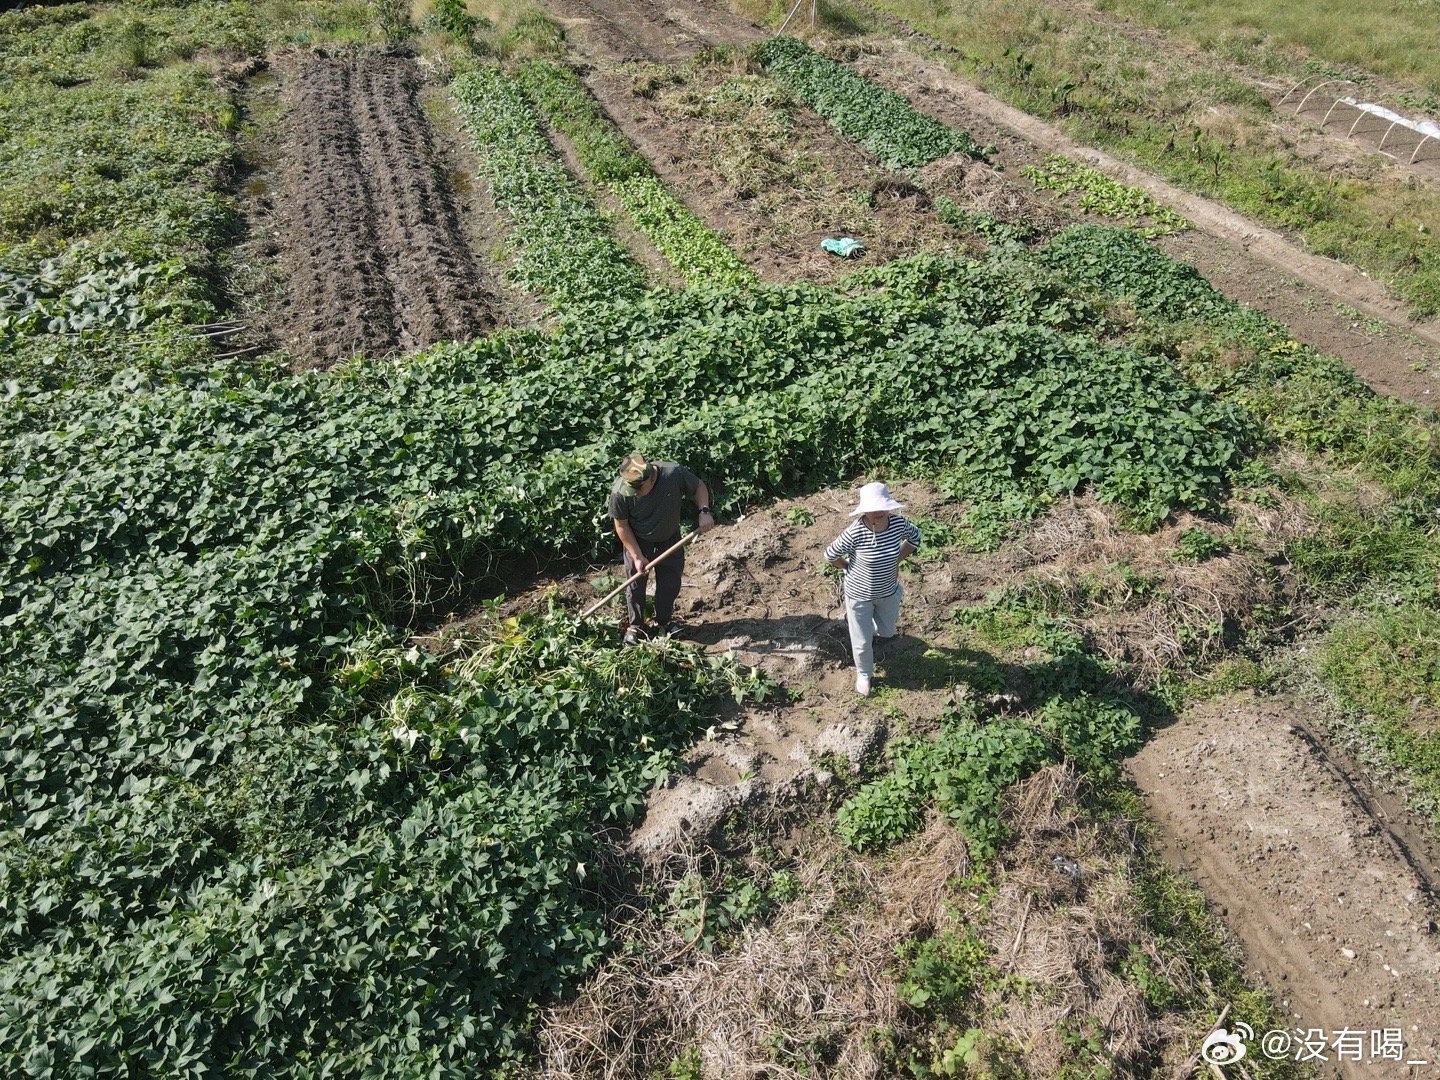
[655, 516]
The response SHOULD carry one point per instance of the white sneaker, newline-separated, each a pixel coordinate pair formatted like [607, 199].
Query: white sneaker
[862, 685]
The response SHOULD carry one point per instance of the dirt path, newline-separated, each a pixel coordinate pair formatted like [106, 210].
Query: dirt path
[376, 255]
[1332, 906]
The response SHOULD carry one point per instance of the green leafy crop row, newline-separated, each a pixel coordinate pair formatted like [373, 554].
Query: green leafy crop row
[564, 249]
[1117, 263]
[567, 106]
[1102, 195]
[699, 255]
[1300, 395]
[883, 122]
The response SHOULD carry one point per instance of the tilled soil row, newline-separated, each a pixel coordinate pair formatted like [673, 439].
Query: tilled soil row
[376, 254]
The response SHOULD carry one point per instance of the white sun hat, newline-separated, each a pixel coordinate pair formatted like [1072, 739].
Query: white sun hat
[875, 497]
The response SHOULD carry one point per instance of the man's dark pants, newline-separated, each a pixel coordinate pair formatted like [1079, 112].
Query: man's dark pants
[667, 581]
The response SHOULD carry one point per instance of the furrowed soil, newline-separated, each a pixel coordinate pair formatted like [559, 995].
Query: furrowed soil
[370, 234]
[1325, 892]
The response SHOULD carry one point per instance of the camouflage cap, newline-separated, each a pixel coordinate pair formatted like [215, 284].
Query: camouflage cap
[634, 471]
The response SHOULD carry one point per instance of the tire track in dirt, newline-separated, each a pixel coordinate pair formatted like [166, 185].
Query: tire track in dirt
[377, 257]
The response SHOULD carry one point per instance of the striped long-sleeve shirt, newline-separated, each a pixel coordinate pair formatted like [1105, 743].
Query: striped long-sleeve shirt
[874, 571]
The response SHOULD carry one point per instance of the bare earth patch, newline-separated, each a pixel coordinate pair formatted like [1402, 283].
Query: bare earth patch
[1325, 897]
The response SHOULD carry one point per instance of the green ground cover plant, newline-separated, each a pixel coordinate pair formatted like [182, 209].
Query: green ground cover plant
[883, 122]
[982, 222]
[1382, 665]
[1359, 558]
[241, 804]
[699, 255]
[116, 144]
[1079, 712]
[1119, 264]
[1305, 398]
[363, 832]
[1203, 126]
[563, 247]
[111, 150]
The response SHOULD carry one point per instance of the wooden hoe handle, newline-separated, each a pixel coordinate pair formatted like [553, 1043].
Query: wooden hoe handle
[636, 577]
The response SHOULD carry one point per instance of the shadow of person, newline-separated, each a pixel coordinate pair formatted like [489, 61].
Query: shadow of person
[910, 662]
[913, 663]
[907, 661]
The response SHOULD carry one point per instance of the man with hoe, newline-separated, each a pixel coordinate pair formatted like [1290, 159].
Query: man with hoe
[645, 504]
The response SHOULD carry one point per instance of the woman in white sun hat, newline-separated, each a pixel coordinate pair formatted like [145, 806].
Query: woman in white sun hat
[869, 551]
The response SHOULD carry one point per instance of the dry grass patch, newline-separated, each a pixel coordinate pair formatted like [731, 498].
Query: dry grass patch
[1068, 933]
[1169, 600]
[890, 965]
[802, 995]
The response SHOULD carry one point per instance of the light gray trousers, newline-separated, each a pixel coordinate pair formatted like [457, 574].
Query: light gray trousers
[866, 619]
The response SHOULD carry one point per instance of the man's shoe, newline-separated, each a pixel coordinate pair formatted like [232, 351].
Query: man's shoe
[862, 685]
[634, 635]
[674, 629]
